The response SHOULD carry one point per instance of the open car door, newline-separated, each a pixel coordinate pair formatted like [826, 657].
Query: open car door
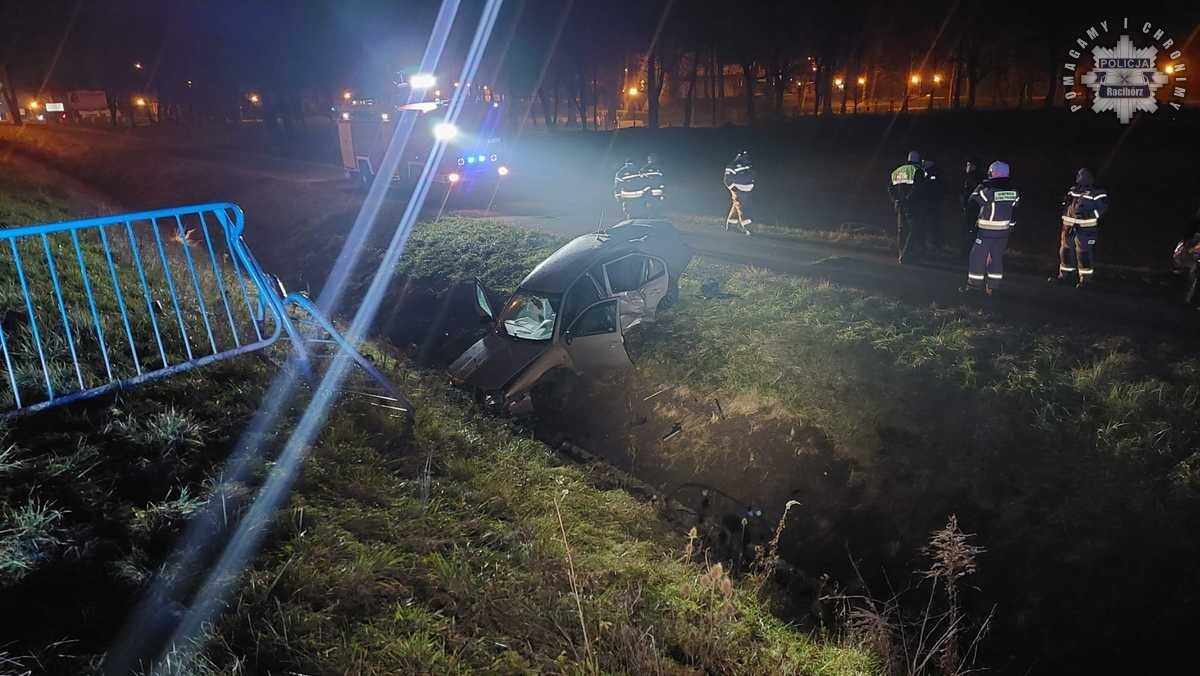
[639, 281]
[594, 341]
[483, 306]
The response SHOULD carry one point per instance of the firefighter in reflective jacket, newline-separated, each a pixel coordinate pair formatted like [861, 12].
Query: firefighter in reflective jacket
[1083, 206]
[739, 180]
[629, 189]
[997, 201]
[907, 180]
[655, 186]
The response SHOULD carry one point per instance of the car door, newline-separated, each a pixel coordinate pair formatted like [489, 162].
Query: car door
[624, 277]
[656, 285]
[594, 341]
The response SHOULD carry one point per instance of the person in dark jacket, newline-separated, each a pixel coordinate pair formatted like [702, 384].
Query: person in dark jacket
[1082, 208]
[997, 200]
[929, 205]
[629, 189]
[655, 185]
[739, 181]
[973, 175]
[905, 184]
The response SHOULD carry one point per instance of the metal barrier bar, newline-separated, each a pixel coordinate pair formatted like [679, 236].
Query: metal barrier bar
[212, 256]
[37, 336]
[187, 254]
[265, 303]
[162, 256]
[137, 365]
[62, 309]
[137, 258]
[87, 286]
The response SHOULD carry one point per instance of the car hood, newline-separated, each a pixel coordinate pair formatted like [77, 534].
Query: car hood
[494, 361]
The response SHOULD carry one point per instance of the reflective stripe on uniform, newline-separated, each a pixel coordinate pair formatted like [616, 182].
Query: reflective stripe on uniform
[993, 225]
[1067, 220]
[1063, 268]
[975, 277]
[994, 275]
[626, 194]
[742, 187]
[656, 192]
[1086, 271]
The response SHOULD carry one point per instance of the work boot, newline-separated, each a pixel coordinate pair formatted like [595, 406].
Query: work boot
[968, 289]
[1056, 279]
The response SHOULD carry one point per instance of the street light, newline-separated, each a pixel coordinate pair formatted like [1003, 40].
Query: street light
[139, 102]
[254, 98]
[444, 131]
[346, 95]
[861, 93]
[33, 104]
[915, 79]
[937, 79]
[633, 91]
[502, 170]
[137, 65]
[422, 81]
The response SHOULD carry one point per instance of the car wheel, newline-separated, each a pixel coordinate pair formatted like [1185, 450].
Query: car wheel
[671, 298]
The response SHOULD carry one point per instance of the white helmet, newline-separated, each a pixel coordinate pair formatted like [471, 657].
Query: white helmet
[998, 169]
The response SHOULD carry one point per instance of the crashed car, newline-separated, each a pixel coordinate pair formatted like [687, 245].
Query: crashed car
[573, 312]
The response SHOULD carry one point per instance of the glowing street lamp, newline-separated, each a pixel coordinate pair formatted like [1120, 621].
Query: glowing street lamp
[34, 104]
[254, 98]
[139, 102]
[502, 170]
[862, 81]
[633, 91]
[137, 65]
[915, 79]
[937, 79]
[346, 95]
[839, 83]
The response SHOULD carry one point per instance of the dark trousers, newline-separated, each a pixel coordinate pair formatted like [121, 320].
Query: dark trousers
[1076, 251]
[908, 231]
[986, 264]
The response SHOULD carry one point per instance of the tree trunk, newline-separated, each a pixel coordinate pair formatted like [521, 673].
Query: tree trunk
[10, 95]
[595, 101]
[691, 90]
[1052, 73]
[652, 90]
[847, 83]
[718, 81]
[748, 76]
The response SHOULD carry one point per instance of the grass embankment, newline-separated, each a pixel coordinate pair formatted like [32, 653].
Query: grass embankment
[458, 546]
[1074, 455]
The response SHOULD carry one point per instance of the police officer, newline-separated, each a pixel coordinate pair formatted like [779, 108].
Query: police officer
[629, 189]
[906, 182]
[972, 177]
[1083, 206]
[739, 180]
[655, 186]
[929, 204]
[997, 200]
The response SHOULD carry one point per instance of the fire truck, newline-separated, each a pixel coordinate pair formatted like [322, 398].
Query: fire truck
[474, 149]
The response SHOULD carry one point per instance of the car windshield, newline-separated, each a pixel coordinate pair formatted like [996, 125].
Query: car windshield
[529, 316]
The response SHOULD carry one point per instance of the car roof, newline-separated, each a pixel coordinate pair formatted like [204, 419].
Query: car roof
[563, 267]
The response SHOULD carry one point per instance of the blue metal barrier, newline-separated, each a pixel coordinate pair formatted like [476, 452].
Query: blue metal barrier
[89, 307]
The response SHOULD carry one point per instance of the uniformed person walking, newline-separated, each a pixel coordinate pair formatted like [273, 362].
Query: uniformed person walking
[1083, 206]
[629, 189]
[655, 187]
[739, 180]
[906, 181]
[997, 200]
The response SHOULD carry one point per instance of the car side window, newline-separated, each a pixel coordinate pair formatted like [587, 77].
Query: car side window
[654, 269]
[596, 320]
[626, 274]
[582, 294]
